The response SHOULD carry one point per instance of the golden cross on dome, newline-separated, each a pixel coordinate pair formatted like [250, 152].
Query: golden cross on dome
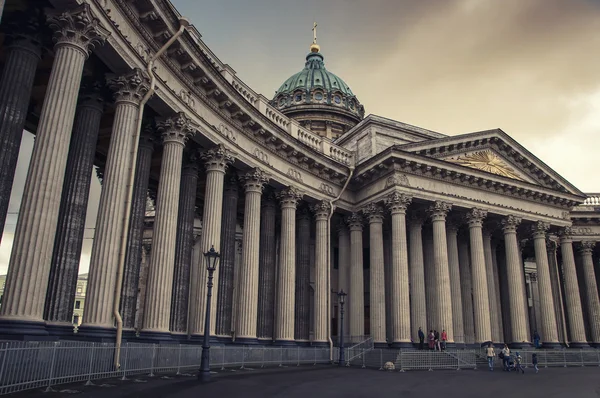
[314, 29]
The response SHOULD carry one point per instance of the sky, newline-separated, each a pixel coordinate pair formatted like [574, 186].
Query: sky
[529, 67]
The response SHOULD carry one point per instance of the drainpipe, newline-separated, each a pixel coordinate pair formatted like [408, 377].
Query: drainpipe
[184, 23]
[331, 209]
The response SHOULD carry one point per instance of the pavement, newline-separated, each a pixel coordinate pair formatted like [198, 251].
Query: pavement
[332, 381]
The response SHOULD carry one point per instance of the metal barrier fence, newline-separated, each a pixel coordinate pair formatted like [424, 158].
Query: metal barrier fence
[27, 365]
[359, 349]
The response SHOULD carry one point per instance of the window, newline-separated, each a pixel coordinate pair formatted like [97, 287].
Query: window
[337, 99]
[76, 320]
[298, 97]
[79, 290]
[336, 258]
[77, 304]
[318, 96]
[281, 101]
[351, 104]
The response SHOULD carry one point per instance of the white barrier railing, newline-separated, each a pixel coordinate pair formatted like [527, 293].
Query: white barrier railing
[27, 365]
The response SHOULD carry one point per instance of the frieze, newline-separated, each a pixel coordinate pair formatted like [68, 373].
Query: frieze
[228, 133]
[294, 174]
[186, 96]
[397, 179]
[260, 155]
[326, 189]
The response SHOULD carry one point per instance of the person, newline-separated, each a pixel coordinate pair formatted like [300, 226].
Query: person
[518, 360]
[506, 357]
[536, 339]
[444, 339]
[431, 338]
[534, 361]
[436, 340]
[490, 356]
[421, 338]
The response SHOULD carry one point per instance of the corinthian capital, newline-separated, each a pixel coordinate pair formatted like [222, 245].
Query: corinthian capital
[539, 228]
[92, 93]
[355, 222]
[475, 217]
[510, 224]
[438, 210]
[373, 212]
[586, 247]
[255, 180]
[79, 28]
[566, 234]
[322, 210]
[289, 197]
[130, 87]
[217, 158]
[398, 202]
[24, 30]
[176, 129]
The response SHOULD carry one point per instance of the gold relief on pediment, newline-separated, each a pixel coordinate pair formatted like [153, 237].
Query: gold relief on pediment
[486, 161]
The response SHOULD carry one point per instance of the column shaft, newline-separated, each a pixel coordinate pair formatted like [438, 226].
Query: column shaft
[455, 288]
[344, 267]
[62, 281]
[302, 299]
[266, 268]
[321, 211]
[481, 305]
[429, 279]
[497, 290]
[556, 287]
[491, 286]
[572, 297]
[377, 284]
[356, 295]
[466, 290]
[418, 309]
[591, 291]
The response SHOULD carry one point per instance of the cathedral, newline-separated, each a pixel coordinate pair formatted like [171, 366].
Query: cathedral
[302, 195]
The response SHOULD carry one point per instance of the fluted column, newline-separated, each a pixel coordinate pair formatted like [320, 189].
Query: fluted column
[302, 299]
[286, 277]
[515, 281]
[590, 291]
[23, 49]
[572, 296]
[466, 290]
[356, 295]
[175, 131]
[400, 311]
[374, 214]
[418, 310]
[491, 285]
[481, 305]
[216, 161]
[548, 328]
[266, 268]
[143, 278]
[344, 266]
[62, 281]
[247, 305]
[75, 33]
[429, 272]
[496, 274]
[442, 293]
[557, 290]
[321, 211]
[227, 260]
[455, 288]
[184, 244]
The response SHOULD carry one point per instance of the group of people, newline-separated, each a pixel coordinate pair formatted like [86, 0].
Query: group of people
[435, 341]
[509, 362]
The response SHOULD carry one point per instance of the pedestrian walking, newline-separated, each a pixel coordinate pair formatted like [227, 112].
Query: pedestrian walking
[431, 338]
[436, 341]
[421, 338]
[506, 357]
[444, 339]
[518, 360]
[534, 361]
[536, 339]
[490, 356]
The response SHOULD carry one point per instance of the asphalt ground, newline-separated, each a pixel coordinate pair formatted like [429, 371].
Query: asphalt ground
[331, 381]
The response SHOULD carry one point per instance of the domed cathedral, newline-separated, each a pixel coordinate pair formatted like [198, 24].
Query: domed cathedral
[320, 100]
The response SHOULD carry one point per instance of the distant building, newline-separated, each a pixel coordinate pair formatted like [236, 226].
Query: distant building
[79, 299]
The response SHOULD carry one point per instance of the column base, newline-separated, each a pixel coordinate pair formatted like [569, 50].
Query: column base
[303, 343]
[285, 343]
[155, 337]
[520, 346]
[553, 345]
[14, 329]
[459, 346]
[97, 334]
[246, 341]
[320, 344]
[379, 344]
[180, 337]
[221, 339]
[450, 344]
[405, 345]
[264, 341]
[579, 345]
[595, 345]
[62, 330]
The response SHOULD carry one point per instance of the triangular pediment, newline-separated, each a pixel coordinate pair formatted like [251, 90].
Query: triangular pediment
[494, 152]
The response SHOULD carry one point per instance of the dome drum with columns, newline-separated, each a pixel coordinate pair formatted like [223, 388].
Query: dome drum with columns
[471, 234]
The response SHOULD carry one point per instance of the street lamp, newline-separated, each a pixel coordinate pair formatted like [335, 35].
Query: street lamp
[342, 299]
[211, 257]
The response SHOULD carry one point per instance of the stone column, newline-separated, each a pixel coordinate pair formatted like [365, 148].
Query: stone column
[429, 272]
[23, 49]
[481, 304]
[496, 273]
[442, 293]
[387, 267]
[286, 277]
[516, 283]
[184, 244]
[556, 287]
[266, 268]
[227, 260]
[591, 291]
[175, 131]
[76, 33]
[466, 290]
[548, 328]
[216, 161]
[356, 295]
[400, 313]
[455, 288]
[143, 278]
[491, 285]
[247, 305]
[62, 281]
[321, 211]
[418, 311]
[302, 299]
[344, 267]
[374, 214]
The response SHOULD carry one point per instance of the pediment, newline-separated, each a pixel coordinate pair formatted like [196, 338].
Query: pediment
[494, 152]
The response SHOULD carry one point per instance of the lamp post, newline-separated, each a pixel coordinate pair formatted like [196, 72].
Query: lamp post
[211, 257]
[342, 299]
